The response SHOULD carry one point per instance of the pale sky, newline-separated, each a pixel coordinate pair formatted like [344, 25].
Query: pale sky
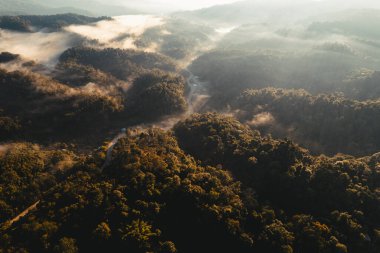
[173, 4]
[192, 4]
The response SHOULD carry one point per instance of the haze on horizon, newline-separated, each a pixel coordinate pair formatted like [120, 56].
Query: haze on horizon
[167, 6]
[173, 5]
[125, 7]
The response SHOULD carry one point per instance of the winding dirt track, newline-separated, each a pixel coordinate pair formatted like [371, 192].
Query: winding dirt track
[9, 223]
[24, 213]
[110, 147]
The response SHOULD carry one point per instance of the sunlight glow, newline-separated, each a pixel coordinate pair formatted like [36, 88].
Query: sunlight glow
[183, 5]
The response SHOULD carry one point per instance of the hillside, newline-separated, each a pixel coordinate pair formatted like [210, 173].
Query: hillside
[120, 63]
[41, 7]
[326, 124]
[153, 196]
[48, 23]
[41, 106]
[32, 7]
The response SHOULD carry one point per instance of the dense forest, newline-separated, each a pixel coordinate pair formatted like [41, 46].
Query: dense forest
[34, 106]
[324, 123]
[120, 63]
[153, 196]
[243, 127]
[317, 72]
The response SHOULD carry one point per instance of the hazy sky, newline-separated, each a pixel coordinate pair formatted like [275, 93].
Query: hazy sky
[173, 4]
[167, 6]
[192, 4]
[197, 4]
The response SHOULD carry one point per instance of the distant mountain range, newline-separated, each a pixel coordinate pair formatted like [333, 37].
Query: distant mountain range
[42, 7]
[273, 11]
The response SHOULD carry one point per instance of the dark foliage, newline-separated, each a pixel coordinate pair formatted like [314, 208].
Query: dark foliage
[327, 204]
[123, 64]
[157, 94]
[74, 74]
[263, 195]
[152, 197]
[26, 171]
[7, 57]
[230, 72]
[38, 106]
[325, 123]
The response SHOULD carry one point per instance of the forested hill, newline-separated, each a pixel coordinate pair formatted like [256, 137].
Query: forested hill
[326, 124]
[19, 7]
[52, 7]
[241, 192]
[49, 23]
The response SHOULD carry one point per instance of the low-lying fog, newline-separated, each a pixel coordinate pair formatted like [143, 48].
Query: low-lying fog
[45, 48]
[120, 32]
[345, 27]
[41, 47]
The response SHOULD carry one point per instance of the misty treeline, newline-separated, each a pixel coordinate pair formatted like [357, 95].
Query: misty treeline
[241, 192]
[330, 111]
[100, 88]
[50, 23]
[323, 123]
[120, 63]
[319, 72]
[323, 75]
[177, 38]
[8, 57]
